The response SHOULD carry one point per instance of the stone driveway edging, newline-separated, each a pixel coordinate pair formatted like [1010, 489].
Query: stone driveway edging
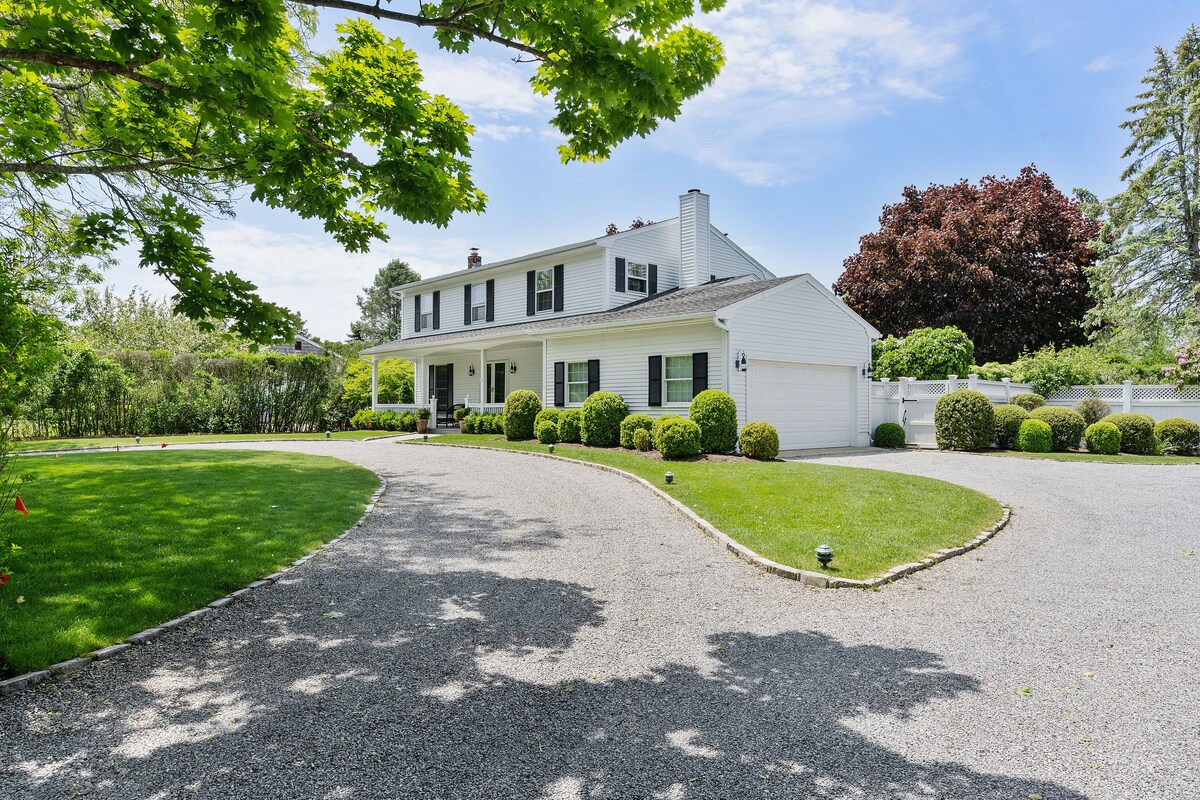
[71, 666]
[806, 577]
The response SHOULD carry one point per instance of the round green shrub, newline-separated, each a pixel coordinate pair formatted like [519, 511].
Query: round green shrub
[600, 419]
[1028, 401]
[656, 428]
[716, 414]
[1066, 425]
[470, 423]
[963, 420]
[1103, 438]
[1178, 436]
[1137, 432]
[1008, 421]
[568, 426]
[890, 435]
[520, 410]
[759, 440]
[632, 424]
[641, 439]
[679, 438]
[1092, 409]
[546, 415]
[1034, 436]
[547, 431]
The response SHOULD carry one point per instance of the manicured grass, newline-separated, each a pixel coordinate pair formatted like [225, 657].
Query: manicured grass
[874, 520]
[1121, 459]
[115, 543]
[36, 445]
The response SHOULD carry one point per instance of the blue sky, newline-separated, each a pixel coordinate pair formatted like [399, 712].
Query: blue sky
[824, 112]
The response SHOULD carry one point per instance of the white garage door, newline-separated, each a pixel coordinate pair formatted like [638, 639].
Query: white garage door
[810, 405]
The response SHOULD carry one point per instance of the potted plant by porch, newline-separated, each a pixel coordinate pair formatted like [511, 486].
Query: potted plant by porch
[422, 419]
[459, 415]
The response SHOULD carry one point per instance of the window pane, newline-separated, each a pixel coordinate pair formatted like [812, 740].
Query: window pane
[427, 320]
[576, 392]
[636, 270]
[545, 279]
[478, 314]
[545, 301]
[577, 372]
[679, 391]
[478, 294]
[679, 367]
[636, 285]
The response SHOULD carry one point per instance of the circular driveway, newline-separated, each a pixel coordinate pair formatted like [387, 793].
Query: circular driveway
[513, 627]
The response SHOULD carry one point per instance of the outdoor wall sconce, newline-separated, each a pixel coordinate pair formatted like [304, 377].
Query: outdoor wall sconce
[670, 477]
[471, 370]
[824, 555]
[512, 368]
[739, 361]
[868, 371]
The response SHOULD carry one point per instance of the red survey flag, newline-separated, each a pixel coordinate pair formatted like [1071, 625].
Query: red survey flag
[3, 578]
[164, 444]
[19, 506]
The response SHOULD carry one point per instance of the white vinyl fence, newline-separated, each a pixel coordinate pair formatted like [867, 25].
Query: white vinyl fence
[911, 402]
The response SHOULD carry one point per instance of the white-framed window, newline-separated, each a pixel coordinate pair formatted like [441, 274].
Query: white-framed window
[677, 376]
[635, 277]
[426, 304]
[544, 286]
[577, 381]
[479, 302]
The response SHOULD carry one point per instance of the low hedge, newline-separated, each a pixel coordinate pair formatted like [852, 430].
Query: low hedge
[1137, 432]
[1103, 438]
[632, 424]
[1008, 422]
[546, 431]
[890, 435]
[679, 438]
[1028, 401]
[759, 440]
[964, 420]
[1034, 436]
[1178, 436]
[520, 410]
[1066, 425]
[716, 414]
[600, 419]
[568, 426]
[483, 423]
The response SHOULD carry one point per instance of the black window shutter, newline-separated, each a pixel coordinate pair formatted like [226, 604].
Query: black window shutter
[655, 381]
[491, 300]
[620, 275]
[558, 287]
[699, 373]
[467, 304]
[560, 383]
[530, 293]
[437, 310]
[593, 375]
[417, 313]
[653, 268]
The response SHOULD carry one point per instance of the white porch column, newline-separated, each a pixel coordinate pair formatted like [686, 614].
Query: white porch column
[482, 377]
[545, 364]
[374, 383]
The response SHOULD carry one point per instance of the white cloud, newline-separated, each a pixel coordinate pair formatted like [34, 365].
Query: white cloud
[502, 133]
[1103, 63]
[482, 85]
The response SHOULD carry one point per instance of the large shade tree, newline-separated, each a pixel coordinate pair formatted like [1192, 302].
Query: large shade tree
[145, 116]
[1004, 260]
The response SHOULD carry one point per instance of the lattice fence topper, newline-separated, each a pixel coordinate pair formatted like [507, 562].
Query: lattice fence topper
[1074, 393]
[926, 388]
[1166, 393]
[885, 391]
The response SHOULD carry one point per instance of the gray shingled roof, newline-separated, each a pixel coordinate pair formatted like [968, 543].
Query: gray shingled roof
[707, 297]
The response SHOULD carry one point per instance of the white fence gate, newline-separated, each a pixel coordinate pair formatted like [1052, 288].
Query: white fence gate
[911, 403]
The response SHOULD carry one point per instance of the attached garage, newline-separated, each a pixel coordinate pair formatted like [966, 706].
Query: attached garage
[811, 405]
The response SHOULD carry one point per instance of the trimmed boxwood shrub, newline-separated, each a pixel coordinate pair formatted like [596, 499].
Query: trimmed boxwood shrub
[1137, 432]
[656, 428]
[963, 420]
[568, 426]
[470, 423]
[600, 419]
[461, 413]
[1092, 409]
[1066, 425]
[1103, 438]
[547, 431]
[546, 415]
[1008, 421]
[679, 438]
[716, 414]
[1028, 401]
[365, 420]
[759, 440]
[1034, 436]
[1178, 436]
[520, 410]
[632, 424]
[641, 439]
[890, 435]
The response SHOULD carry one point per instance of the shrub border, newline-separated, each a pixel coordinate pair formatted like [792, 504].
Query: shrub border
[71, 666]
[804, 576]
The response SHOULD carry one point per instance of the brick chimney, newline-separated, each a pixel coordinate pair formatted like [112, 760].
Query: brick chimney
[473, 258]
[694, 247]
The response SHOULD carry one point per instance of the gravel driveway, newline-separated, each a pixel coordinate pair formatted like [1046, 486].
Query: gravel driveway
[523, 628]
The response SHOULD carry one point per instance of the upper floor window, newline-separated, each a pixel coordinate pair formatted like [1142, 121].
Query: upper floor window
[545, 289]
[635, 277]
[479, 302]
[678, 378]
[426, 311]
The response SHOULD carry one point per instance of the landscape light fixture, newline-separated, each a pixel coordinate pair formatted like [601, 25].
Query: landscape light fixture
[824, 555]
[427, 437]
[670, 477]
[328, 434]
[137, 439]
[551, 448]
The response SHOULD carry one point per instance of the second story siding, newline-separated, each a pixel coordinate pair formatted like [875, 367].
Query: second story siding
[656, 244]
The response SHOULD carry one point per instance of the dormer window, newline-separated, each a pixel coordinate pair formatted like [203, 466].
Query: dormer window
[479, 302]
[635, 277]
[545, 289]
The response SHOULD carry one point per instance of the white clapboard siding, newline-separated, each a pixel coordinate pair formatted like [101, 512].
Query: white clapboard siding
[654, 244]
[728, 262]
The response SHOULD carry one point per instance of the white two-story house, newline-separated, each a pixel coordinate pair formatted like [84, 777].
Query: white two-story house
[655, 314]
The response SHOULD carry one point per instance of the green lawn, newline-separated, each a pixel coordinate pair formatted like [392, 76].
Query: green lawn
[35, 445]
[115, 543]
[874, 520]
[1121, 459]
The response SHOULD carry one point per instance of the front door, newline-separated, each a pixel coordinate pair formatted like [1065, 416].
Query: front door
[497, 372]
[441, 380]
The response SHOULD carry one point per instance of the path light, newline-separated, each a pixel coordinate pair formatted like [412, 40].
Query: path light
[551, 448]
[137, 439]
[427, 437]
[670, 476]
[327, 434]
[824, 554]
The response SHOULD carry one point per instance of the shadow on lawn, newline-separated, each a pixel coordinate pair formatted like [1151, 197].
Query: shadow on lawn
[443, 680]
